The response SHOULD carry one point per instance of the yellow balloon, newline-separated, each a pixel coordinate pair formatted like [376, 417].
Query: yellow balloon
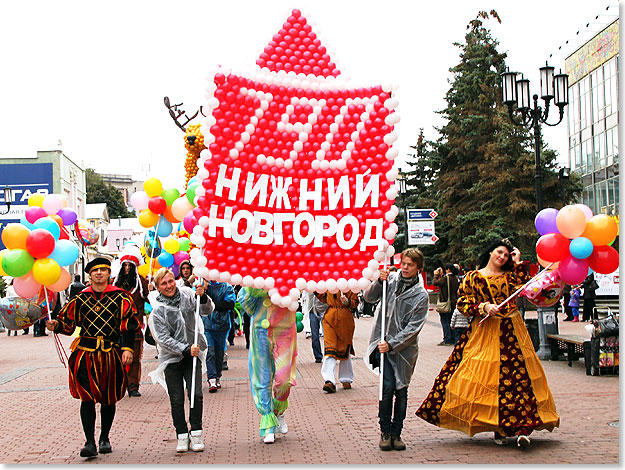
[36, 200]
[147, 218]
[171, 246]
[143, 270]
[46, 271]
[2, 273]
[14, 236]
[153, 187]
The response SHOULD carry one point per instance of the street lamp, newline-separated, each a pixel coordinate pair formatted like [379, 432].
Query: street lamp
[516, 93]
[8, 198]
[401, 183]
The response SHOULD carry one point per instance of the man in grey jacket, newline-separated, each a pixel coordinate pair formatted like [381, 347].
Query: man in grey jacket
[406, 311]
[173, 323]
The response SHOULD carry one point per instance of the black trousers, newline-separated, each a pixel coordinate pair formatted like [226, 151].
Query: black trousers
[175, 374]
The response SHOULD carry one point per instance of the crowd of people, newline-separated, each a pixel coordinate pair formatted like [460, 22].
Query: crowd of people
[492, 381]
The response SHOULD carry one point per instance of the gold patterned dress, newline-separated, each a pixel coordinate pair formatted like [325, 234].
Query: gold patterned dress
[493, 380]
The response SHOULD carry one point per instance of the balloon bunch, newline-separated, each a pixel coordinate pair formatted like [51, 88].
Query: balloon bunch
[175, 251]
[35, 251]
[575, 240]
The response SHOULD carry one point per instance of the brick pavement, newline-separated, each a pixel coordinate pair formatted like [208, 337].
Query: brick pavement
[40, 421]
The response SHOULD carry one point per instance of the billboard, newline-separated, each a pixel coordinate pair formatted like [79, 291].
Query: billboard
[24, 179]
[421, 227]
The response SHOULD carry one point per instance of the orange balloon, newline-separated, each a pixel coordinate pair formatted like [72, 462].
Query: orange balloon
[601, 229]
[169, 215]
[14, 236]
[57, 219]
[63, 283]
[544, 263]
[147, 218]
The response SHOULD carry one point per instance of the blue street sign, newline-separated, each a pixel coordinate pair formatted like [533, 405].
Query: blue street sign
[421, 214]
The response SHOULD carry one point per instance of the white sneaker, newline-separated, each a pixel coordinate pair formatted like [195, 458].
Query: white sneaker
[183, 443]
[196, 441]
[282, 427]
[270, 438]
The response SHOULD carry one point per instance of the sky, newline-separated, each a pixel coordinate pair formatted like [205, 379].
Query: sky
[93, 75]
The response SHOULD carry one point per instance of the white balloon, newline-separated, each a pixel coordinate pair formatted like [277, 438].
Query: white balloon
[341, 284]
[224, 277]
[276, 298]
[248, 281]
[259, 282]
[331, 286]
[293, 306]
[352, 284]
[300, 283]
[201, 261]
[390, 251]
[376, 275]
[236, 279]
[321, 287]
[373, 265]
[363, 284]
[213, 274]
[367, 273]
[311, 286]
[294, 293]
[204, 221]
[270, 282]
[378, 255]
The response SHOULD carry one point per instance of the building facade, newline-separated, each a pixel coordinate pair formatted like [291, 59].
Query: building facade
[594, 118]
[124, 183]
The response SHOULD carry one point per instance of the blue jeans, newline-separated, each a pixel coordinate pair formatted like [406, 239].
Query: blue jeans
[389, 421]
[457, 333]
[445, 323]
[315, 323]
[216, 340]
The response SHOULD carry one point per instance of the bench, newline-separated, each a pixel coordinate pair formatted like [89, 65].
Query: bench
[572, 344]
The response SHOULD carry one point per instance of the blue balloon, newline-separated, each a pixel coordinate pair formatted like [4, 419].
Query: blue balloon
[580, 248]
[50, 225]
[65, 253]
[166, 259]
[164, 227]
[192, 180]
[26, 223]
[147, 308]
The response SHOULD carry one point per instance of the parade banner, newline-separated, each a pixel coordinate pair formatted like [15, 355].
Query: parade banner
[297, 181]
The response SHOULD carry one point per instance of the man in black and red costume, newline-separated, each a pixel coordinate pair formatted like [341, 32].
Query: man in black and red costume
[107, 318]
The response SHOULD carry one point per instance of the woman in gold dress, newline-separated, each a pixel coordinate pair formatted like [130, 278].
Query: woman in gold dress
[493, 380]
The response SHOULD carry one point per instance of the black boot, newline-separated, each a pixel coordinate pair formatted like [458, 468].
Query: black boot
[89, 451]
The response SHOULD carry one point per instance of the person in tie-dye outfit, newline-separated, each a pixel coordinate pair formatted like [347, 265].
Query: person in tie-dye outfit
[273, 349]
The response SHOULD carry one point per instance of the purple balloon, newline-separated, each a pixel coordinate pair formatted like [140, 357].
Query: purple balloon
[175, 269]
[34, 213]
[545, 221]
[67, 215]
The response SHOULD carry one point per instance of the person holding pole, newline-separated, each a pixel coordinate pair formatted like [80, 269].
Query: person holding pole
[493, 380]
[393, 346]
[107, 318]
[178, 332]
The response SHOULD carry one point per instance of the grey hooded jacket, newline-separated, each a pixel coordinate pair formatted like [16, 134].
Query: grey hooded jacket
[405, 316]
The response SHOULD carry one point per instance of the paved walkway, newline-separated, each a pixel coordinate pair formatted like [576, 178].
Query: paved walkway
[41, 424]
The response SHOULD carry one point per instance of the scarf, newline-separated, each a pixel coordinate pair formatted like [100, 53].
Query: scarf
[403, 284]
[173, 301]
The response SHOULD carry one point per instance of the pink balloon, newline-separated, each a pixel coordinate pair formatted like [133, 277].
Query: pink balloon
[188, 222]
[181, 256]
[573, 270]
[586, 210]
[571, 221]
[26, 286]
[63, 283]
[52, 203]
[34, 213]
[139, 200]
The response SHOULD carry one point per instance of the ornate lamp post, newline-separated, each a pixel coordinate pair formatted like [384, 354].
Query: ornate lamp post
[516, 93]
[8, 199]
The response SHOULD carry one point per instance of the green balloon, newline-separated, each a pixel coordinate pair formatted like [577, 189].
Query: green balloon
[184, 244]
[17, 262]
[265, 323]
[191, 192]
[300, 326]
[170, 195]
[299, 316]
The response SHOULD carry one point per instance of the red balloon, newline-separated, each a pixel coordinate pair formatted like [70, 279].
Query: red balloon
[40, 243]
[157, 204]
[603, 260]
[552, 247]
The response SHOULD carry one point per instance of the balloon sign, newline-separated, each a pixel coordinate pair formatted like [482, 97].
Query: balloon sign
[299, 164]
[35, 256]
[577, 240]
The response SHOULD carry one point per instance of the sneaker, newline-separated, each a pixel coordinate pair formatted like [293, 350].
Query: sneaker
[218, 382]
[347, 385]
[523, 442]
[385, 441]
[329, 387]
[89, 451]
[105, 446]
[282, 427]
[397, 443]
[212, 385]
[270, 438]
[500, 440]
[183, 442]
[196, 441]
